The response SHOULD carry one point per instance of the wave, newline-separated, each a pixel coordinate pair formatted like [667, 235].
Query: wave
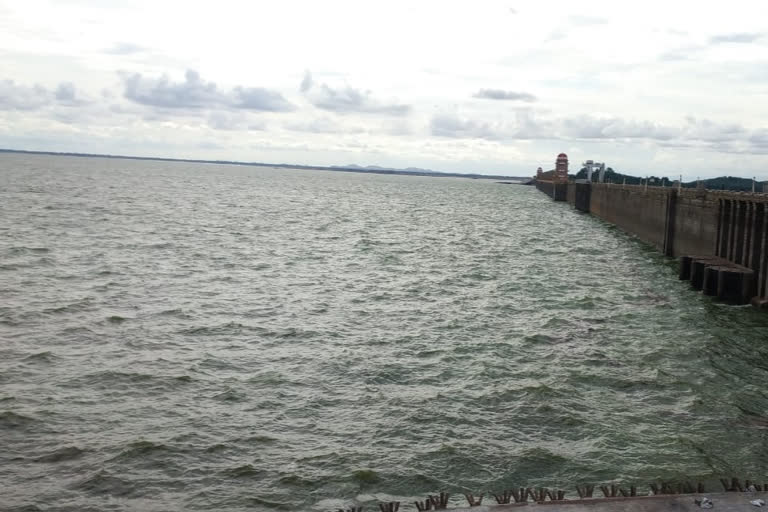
[111, 379]
[16, 251]
[41, 357]
[244, 471]
[10, 420]
[62, 454]
[141, 450]
[103, 483]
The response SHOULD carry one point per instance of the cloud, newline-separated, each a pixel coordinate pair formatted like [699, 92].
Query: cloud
[448, 125]
[66, 92]
[258, 98]
[161, 92]
[196, 93]
[15, 96]
[123, 48]
[307, 82]
[321, 125]
[701, 133]
[498, 94]
[680, 54]
[589, 127]
[524, 126]
[233, 121]
[710, 131]
[21, 97]
[739, 37]
[347, 99]
[578, 19]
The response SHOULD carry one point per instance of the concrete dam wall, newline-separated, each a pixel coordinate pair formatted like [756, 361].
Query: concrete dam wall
[726, 232]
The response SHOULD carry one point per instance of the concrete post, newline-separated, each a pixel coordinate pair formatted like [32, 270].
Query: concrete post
[697, 274]
[709, 285]
[738, 254]
[762, 258]
[669, 223]
[724, 228]
[685, 267]
[732, 230]
[748, 234]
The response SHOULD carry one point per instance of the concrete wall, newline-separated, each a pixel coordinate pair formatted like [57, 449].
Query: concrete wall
[633, 209]
[557, 191]
[688, 222]
[696, 219]
[582, 196]
[570, 195]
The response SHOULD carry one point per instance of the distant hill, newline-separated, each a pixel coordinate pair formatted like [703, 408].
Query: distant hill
[417, 171]
[410, 171]
[729, 183]
[355, 167]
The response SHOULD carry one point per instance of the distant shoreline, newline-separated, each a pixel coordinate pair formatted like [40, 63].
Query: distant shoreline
[435, 174]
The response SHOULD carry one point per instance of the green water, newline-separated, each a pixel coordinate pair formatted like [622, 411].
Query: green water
[196, 337]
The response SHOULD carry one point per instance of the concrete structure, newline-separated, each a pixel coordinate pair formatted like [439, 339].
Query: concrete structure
[697, 223]
[590, 166]
[554, 182]
[561, 169]
[724, 502]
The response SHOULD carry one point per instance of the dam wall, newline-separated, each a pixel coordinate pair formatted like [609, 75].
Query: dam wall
[722, 236]
[557, 191]
[635, 210]
[695, 223]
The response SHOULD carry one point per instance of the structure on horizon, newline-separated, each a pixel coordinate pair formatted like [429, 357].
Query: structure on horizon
[557, 175]
[591, 166]
[561, 169]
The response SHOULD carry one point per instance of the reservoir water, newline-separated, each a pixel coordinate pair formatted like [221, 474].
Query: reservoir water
[178, 336]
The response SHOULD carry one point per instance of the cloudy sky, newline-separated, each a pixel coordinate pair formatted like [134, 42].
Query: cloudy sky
[665, 88]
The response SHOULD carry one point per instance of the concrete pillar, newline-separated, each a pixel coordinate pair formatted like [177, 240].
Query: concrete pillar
[697, 274]
[735, 210]
[756, 247]
[724, 228]
[709, 284]
[669, 223]
[734, 285]
[749, 226]
[741, 229]
[762, 259]
[685, 268]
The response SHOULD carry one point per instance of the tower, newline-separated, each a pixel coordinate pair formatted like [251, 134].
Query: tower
[539, 172]
[561, 168]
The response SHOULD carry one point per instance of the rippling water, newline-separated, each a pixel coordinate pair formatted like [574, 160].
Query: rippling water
[182, 336]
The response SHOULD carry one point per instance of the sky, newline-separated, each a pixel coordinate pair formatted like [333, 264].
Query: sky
[495, 87]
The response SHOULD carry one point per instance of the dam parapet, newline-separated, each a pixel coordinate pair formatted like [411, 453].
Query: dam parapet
[724, 234]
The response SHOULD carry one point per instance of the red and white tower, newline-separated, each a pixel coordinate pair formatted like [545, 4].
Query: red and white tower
[561, 169]
[539, 172]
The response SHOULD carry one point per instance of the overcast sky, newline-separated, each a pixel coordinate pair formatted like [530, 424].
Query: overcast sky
[665, 88]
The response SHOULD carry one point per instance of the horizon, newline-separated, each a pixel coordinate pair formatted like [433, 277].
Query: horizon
[499, 88]
[373, 169]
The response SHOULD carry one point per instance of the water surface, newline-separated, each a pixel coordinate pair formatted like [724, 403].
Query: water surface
[179, 336]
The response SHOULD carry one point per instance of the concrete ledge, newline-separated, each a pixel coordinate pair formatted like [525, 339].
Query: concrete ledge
[725, 501]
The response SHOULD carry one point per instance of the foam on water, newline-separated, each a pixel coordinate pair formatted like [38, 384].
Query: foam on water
[197, 337]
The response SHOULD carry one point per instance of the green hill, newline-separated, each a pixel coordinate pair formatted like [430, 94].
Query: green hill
[719, 183]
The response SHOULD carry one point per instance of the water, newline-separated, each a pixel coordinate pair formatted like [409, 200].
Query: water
[182, 336]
